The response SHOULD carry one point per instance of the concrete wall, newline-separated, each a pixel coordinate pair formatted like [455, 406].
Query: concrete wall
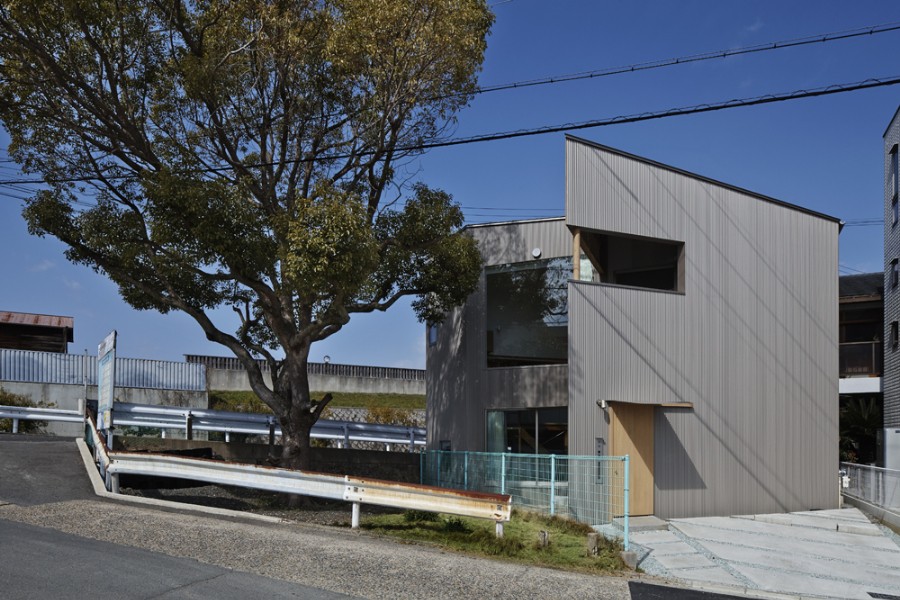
[66, 397]
[391, 466]
[233, 380]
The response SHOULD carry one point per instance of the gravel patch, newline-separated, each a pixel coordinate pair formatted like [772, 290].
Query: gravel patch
[330, 558]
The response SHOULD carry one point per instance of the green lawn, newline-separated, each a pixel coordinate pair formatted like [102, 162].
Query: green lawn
[567, 548]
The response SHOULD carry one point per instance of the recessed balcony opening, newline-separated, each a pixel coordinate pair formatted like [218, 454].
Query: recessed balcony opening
[632, 261]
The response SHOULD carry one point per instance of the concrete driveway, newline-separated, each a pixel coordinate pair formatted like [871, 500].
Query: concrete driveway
[830, 553]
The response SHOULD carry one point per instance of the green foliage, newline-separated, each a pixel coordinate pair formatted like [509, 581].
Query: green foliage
[8, 398]
[567, 550]
[419, 516]
[240, 153]
[860, 421]
[391, 403]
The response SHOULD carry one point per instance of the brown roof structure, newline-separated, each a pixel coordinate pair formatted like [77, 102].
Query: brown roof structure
[44, 333]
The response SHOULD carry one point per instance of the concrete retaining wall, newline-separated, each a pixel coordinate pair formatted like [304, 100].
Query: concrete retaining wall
[235, 381]
[391, 466]
[66, 397]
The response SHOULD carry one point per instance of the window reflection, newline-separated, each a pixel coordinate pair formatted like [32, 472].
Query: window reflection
[527, 313]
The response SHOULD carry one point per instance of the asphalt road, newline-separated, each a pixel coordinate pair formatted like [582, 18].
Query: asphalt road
[41, 469]
[58, 540]
[44, 563]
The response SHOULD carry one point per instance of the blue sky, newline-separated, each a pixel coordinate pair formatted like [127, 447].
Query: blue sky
[824, 154]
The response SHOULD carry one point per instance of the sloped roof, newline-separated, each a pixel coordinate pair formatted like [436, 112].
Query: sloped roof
[28, 319]
[864, 284]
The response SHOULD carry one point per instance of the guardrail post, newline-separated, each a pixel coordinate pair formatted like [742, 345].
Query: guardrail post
[189, 425]
[227, 436]
[114, 482]
[412, 439]
[627, 510]
[354, 520]
[271, 435]
[552, 484]
[498, 529]
[15, 426]
[346, 436]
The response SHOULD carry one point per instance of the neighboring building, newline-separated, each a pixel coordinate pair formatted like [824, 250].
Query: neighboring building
[861, 325]
[685, 322]
[43, 333]
[891, 379]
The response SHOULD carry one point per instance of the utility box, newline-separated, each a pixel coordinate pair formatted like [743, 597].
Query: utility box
[892, 448]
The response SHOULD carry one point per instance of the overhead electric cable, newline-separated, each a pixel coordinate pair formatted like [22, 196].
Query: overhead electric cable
[683, 60]
[505, 135]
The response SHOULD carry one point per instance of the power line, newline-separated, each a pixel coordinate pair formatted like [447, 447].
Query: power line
[572, 126]
[683, 60]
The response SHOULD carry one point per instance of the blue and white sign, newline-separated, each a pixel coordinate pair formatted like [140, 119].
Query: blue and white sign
[106, 376]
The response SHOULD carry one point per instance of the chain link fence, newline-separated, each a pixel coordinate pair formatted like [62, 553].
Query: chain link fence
[590, 489]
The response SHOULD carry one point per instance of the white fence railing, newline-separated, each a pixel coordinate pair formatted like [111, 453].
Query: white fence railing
[196, 419]
[355, 490]
[874, 485]
[77, 369]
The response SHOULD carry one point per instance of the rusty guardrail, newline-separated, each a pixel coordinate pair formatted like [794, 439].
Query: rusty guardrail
[496, 507]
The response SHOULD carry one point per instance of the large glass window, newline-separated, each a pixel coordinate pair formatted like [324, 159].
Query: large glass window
[529, 431]
[528, 313]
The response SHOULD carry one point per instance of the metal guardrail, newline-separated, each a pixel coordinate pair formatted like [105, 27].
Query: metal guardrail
[28, 413]
[874, 485]
[496, 507]
[191, 419]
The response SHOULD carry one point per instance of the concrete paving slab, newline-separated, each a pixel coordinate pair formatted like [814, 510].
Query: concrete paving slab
[653, 537]
[806, 564]
[795, 583]
[716, 575]
[821, 522]
[860, 557]
[678, 547]
[725, 529]
[682, 561]
[839, 514]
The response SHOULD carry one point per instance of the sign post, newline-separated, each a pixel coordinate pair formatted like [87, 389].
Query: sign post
[106, 375]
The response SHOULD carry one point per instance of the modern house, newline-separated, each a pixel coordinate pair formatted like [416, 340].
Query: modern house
[861, 351]
[891, 379]
[688, 323]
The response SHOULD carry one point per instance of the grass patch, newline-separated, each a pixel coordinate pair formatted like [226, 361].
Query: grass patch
[249, 402]
[567, 549]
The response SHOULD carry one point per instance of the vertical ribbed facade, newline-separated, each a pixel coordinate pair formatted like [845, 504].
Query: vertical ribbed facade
[750, 345]
[748, 351]
[891, 378]
[460, 387]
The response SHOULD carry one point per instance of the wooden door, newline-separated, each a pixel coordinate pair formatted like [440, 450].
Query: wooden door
[631, 433]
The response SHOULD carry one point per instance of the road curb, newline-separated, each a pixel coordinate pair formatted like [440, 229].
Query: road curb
[100, 490]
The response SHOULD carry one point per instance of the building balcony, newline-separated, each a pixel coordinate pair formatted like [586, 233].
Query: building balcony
[860, 359]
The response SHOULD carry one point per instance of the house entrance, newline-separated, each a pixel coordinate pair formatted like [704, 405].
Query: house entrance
[631, 433]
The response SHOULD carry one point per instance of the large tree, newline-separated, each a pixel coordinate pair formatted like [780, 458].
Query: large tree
[245, 153]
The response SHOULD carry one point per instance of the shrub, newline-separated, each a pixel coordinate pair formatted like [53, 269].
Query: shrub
[419, 516]
[8, 398]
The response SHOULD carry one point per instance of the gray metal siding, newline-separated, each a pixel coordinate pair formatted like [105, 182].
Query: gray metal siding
[52, 367]
[752, 343]
[891, 377]
[460, 387]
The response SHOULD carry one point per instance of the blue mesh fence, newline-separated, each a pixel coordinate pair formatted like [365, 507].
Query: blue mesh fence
[590, 489]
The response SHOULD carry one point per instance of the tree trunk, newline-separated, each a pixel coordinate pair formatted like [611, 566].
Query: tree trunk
[300, 415]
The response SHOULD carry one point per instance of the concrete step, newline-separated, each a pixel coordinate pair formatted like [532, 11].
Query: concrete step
[647, 523]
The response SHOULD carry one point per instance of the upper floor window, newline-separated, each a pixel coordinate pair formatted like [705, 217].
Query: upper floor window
[895, 211]
[895, 273]
[528, 312]
[634, 261]
[895, 334]
[895, 174]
